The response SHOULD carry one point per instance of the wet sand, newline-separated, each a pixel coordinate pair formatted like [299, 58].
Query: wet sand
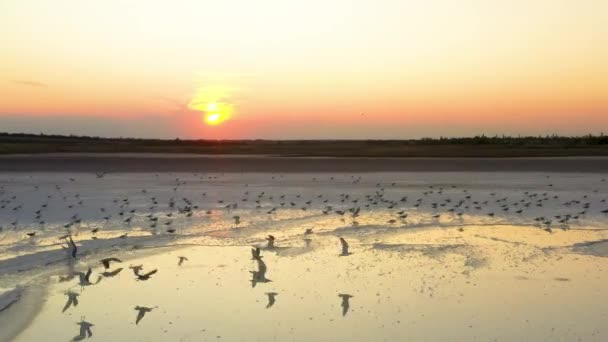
[471, 260]
[252, 163]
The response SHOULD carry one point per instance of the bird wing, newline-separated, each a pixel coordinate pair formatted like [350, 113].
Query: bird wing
[88, 274]
[149, 273]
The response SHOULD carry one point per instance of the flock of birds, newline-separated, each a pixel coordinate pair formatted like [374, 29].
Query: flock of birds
[436, 200]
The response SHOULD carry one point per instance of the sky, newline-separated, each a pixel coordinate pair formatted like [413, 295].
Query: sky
[315, 69]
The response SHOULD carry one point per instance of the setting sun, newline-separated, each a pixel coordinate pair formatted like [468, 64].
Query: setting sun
[213, 118]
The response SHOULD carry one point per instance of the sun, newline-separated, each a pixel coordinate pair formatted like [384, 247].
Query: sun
[213, 118]
[214, 102]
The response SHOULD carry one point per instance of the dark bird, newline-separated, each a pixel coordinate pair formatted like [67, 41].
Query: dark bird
[256, 253]
[145, 276]
[344, 247]
[270, 240]
[181, 260]
[271, 299]
[85, 331]
[141, 312]
[106, 262]
[259, 276]
[72, 300]
[110, 274]
[84, 279]
[136, 269]
[345, 303]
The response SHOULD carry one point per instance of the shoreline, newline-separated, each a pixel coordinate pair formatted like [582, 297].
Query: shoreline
[135, 163]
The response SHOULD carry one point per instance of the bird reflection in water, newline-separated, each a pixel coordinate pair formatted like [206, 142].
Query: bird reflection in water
[258, 276]
[85, 330]
[345, 302]
[271, 299]
[72, 300]
[344, 244]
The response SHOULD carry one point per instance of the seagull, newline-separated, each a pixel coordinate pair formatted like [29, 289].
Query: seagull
[72, 300]
[141, 312]
[85, 330]
[136, 269]
[345, 303]
[181, 260]
[270, 240]
[145, 276]
[259, 276]
[271, 299]
[110, 274]
[85, 278]
[256, 254]
[106, 262]
[344, 247]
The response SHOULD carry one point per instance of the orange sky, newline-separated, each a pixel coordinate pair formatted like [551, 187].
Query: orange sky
[314, 69]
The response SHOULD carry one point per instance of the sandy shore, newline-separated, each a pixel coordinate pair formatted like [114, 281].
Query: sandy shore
[206, 163]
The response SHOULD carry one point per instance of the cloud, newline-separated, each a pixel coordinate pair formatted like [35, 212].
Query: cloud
[30, 83]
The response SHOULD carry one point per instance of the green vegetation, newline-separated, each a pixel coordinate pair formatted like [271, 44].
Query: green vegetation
[479, 146]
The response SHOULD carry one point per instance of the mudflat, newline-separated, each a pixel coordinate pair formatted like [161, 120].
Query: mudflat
[134, 162]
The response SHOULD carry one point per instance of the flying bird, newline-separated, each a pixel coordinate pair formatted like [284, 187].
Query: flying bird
[106, 262]
[146, 276]
[85, 331]
[181, 260]
[256, 253]
[271, 299]
[344, 247]
[110, 274]
[345, 303]
[72, 300]
[141, 312]
[270, 240]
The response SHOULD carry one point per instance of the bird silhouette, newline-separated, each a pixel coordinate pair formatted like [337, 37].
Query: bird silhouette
[106, 262]
[141, 312]
[110, 274]
[344, 244]
[85, 331]
[181, 260]
[256, 253]
[270, 240]
[145, 276]
[72, 300]
[85, 278]
[345, 302]
[259, 276]
[271, 299]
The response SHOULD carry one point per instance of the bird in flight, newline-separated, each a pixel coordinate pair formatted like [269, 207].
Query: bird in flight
[256, 254]
[106, 262]
[271, 299]
[85, 330]
[110, 274]
[145, 276]
[344, 244]
[181, 260]
[72, 300]
[345, 302]
[141, 312]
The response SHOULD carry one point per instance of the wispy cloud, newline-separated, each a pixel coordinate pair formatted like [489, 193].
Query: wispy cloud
[29, 83]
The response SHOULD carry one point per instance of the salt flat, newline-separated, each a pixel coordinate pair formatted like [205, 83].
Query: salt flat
[476, 256]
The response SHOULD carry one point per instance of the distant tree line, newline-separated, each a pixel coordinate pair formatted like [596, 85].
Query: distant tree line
[503, 140]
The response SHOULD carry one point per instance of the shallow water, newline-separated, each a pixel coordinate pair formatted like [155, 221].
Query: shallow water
[466, 277]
